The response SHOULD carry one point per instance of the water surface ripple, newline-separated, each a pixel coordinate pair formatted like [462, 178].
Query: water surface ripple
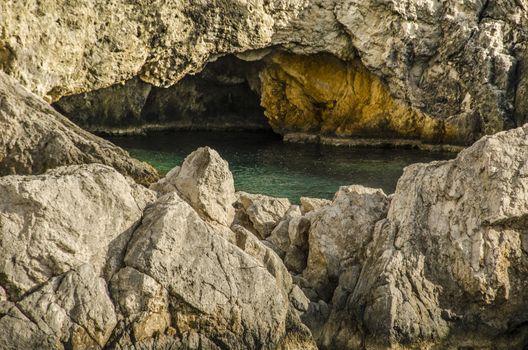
[262, 163]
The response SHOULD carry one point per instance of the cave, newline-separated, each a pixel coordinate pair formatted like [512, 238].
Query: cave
[304, 98]
[225, 95]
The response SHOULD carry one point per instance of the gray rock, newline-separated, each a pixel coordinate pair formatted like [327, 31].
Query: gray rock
[53, 223]
[71, 311]
[279, 239]
[263, 212]
[290, 239]
[448, 265]
[36, 138]
[309, 204]
[205, 182]
[339, 232]
[20, 333]
[219, 291]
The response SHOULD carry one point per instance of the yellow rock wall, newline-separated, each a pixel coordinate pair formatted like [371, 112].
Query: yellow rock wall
[324, 95]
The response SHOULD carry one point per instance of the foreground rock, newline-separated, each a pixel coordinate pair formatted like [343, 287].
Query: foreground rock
[113, 275]
[62, 236]
[52, 223]
[204, 180]
[220, 294]
[36, 138]
[441, 264]
[447, 268]
[259, 213]
[73, 309]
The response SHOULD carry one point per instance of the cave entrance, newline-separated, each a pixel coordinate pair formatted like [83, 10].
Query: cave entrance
[225, 95]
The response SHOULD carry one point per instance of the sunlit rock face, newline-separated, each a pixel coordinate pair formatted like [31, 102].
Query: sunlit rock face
[323, 95]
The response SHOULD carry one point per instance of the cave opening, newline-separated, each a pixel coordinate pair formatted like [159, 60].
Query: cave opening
[304, 98]
[225, 95]
[243, 106]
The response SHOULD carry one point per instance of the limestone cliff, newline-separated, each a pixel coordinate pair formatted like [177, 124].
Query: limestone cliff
[224, 95]
[458, 62]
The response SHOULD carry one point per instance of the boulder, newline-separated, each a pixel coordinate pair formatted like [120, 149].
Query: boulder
[217, 290]
[205, 182]
[73, 308]
[36, 138]
[260, 213]
[447, 267]
[309, 204]
[67, 217]
[338, 234]
[289, 239]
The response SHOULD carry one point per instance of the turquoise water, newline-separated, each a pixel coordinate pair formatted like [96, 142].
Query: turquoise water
[262, 163]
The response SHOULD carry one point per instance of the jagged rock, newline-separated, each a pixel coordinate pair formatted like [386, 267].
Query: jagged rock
[71, 311]
[102, 43]
[74, 308]
[448, 266]
[279, 238]
[205, 182]
[52, 223]
[20, 333]
[36, 138]
[451, 64]
[290, 239]
[262, 213]
[339, 232]
[309, 204]
[144, 305]
[218, 290]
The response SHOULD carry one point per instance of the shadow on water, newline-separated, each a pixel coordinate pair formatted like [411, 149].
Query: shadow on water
[262, 163]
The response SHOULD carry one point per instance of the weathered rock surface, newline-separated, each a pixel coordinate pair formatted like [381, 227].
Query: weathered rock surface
[111, 275]
[119, 105]
[61, 48]
[67, 217]
[441, 264]
[260, 213]
[454, 61]
[36, 138]
[215, 289]
[205, 182]
[456, 67]
[309, 204]
[338, 234]
[447, 267]
[73, 309]
[323, 95]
